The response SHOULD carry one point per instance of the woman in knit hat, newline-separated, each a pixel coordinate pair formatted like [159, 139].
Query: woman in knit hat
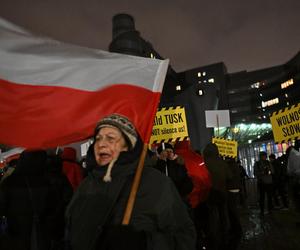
[159, 218]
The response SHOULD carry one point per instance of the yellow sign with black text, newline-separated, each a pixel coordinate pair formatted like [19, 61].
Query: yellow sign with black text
[286, 123]
[169, 125]
[226, 147]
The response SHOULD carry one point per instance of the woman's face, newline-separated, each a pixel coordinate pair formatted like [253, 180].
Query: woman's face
[108, 145]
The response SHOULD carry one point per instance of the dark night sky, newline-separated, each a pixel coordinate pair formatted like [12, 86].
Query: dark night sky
[245, 35]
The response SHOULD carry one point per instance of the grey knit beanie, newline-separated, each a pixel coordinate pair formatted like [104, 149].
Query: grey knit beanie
[123, 124]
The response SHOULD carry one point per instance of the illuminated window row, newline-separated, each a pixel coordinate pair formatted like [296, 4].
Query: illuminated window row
[211, 80]
[287, 83]
[270, 102]
[201, 74]
[283, 85]
[200, 92]
[257, 85]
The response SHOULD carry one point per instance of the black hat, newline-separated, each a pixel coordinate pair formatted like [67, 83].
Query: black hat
[167, 145]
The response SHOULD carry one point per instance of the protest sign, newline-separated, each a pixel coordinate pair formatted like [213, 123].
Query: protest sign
[169, 125]
[226, 147]
[286, 123]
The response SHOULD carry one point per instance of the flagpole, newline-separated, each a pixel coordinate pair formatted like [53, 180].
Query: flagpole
[135, 186]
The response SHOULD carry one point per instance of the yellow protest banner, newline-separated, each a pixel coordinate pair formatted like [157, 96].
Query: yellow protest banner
[226, 147]
[169, 125]
[286, 123]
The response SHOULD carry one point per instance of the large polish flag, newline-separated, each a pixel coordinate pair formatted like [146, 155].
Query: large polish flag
[52, 93]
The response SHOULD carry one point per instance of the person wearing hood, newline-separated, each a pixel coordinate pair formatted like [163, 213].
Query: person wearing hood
[159, 218]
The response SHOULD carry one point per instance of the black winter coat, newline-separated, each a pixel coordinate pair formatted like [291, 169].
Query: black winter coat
[158, 210]
[17, 205]
[178, 174]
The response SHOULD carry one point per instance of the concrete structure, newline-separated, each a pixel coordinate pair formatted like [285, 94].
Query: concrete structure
[248, 95]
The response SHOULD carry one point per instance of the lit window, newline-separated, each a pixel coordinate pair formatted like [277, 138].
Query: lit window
[178, 87]
[211, 80]
[199, 82]
[200, 92]
[287, 103]
[286, 95]
[264, 117]
[287, 83]
[152, 56]
[204, 73]
[255, 85]
[204, 81]
[199, 74]
[269, 102]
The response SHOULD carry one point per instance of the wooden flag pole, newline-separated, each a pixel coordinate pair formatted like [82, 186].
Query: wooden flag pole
[135, 186]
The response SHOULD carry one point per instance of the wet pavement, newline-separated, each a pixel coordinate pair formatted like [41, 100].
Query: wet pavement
[275, 231]
[279, 230]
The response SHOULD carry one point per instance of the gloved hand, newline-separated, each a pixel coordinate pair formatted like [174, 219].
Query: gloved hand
[121, 237]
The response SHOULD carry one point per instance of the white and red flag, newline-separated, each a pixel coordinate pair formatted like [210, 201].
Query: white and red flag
[52, 93]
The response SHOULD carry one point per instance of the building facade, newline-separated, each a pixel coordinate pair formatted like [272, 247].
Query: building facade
[251, 97]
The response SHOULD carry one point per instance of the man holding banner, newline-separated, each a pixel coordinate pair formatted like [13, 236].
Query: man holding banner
[172, 165]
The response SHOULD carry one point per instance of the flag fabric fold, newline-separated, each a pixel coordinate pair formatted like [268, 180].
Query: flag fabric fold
[53, 93]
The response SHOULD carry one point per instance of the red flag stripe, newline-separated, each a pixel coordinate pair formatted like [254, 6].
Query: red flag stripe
[53, 93]
[44, 116]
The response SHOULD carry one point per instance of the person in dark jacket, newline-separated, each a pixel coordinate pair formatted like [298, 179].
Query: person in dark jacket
[263, 171]
[173, 166]
[159, 218]
[62, 193]
[293, 171]
[218, 223]
[26, 202]
[279, 188]
[233, 188]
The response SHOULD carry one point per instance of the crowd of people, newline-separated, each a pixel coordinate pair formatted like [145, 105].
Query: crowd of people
[185, 199]
[278, 180]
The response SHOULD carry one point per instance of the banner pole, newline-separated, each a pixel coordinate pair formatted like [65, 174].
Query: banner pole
[135, 186]
[218, 126]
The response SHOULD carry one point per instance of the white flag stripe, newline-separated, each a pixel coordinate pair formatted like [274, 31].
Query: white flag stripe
[53, 93]
[22, 60]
